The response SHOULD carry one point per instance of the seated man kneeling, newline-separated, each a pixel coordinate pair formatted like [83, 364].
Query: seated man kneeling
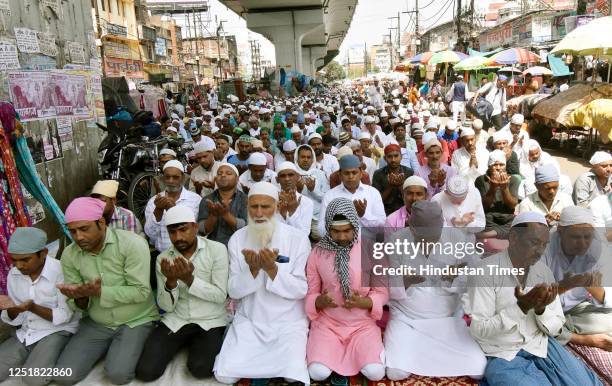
[192, 289]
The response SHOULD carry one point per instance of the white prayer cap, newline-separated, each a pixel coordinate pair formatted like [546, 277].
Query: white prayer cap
[344, 150]
[429, 136]
[172, 129]
[574, 215]
[371, 108]
[168, 151]
[353, 144]
[529, 217]
[477, 123]
[295, 130]
[179, 214]
[228, 165]
[393, 121]
[432, 142]
[600, 157]
[364, 111]
[396, 102]
[286, 166]
[257, 159]
[330, 109]
[501, 135]
[451, 125]
[414, 181]
[295, 113]
[254, 109]
[497, 157]
[457, 186]
[106, 188]
[546, 173]
[174, 164]
[206, 144]
[360, 106]
[369, 119]
[289, 145]
[466, 131]
[257, 144]
[313, 136]
[278, 109]
[264, 111]
[384, 114]
[365, 136]
[426, 113]
[517, 119]
[264, 188]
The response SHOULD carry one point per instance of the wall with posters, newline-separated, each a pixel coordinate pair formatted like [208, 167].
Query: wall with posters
[50, 71]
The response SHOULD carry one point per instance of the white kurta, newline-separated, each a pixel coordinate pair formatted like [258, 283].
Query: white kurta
[472, 203]
[426, 334]
[302, 217]
[461, 162]
[267, 338]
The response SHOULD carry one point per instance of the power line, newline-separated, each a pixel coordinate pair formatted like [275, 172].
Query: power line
[441, 15]
[440, 10]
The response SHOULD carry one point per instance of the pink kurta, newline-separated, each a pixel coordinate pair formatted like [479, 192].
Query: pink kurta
[343, 340]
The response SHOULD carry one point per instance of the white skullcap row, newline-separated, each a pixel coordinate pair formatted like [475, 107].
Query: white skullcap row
[457, 186]
[174, 164]
[502, 135]
[286, 165]
[257, 159]
[167, 152]
[205, 144]
[517, 119]
[432, 142]
[466, 131]
[289, 145]
[529, 217]
[106, 188]
[600, 157]
[497, 157]
[574, 215]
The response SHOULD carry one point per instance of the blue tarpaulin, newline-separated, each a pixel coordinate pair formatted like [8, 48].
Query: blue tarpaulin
[558, 67]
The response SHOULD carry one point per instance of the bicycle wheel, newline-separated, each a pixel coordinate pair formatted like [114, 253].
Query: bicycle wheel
[141, 190]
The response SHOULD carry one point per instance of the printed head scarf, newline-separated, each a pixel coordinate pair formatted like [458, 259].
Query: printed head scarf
[344, 207]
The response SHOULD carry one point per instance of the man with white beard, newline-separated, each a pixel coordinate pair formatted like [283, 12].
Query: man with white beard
[267, 338]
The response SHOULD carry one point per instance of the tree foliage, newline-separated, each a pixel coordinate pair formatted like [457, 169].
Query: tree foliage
[334, 71]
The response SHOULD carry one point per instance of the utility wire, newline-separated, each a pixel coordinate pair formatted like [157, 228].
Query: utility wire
[440, 17]
[437, 13]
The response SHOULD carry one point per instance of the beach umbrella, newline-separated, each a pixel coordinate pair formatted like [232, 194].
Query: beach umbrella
[593, 38]
[472, 63]
[422, 57]
[538, 71]
[514, 56]
[509, 69]
[446, 57]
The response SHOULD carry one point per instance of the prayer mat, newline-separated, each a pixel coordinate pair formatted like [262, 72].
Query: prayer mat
[598, 360]
[360, 380]
[418, 380]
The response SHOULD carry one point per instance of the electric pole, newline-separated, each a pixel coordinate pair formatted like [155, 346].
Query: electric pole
[365, 59]
[398, 37]
[416, 26]
[459, 37]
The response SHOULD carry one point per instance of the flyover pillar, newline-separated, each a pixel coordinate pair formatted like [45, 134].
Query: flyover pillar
[286, 29]
[311, 56]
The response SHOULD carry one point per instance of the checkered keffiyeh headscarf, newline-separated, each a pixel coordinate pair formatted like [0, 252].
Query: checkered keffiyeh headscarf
[345, 207]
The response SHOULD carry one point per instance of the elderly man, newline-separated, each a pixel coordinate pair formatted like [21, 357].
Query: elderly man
[414, 189]
[470, 160]
[116, 217]
[520, 137]
[389, 179]
[174, 194]
[241, 159]
[343, 339]
[499, 196]
[294, 209]
[37, 307]
[367, 199]
[534, 157]
[378, 137]
[268, 335]
[462, 207]
[501, 141]
[595, 182]
[223, 211]
[434, 171]
[424, 308]
[258, 171]
[327, 162]
[580, 262]
[116, 296]
[547, 200]
[192, 281]
[202, 179]
[516, 313]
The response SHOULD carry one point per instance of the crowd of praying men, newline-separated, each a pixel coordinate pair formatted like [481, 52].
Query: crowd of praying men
[250, 257]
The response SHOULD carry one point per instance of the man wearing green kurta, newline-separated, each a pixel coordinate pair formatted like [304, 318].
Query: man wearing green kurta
[106, 275]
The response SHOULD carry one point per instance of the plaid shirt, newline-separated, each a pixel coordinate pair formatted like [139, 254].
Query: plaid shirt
[126, 220]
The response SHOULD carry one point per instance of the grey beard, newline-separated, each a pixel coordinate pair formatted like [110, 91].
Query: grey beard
[173, 189]
[261, 234]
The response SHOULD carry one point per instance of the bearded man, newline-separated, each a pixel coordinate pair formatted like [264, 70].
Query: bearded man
[267, 338]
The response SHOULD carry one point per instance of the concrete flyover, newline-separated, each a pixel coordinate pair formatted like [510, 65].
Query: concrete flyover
[306, 34]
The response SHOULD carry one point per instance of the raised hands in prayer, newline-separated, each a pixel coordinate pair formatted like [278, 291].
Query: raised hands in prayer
[217, 209]
[499, 180]
[437, 177]
[360, 206]
[163, 202]
[309, 182]
[537, 298]
[395, 179]
[464, 220]
[581, 280]
[552, 217]
[264, 259]
[473, 159]
[358, 301]
[179, 269]
[85, 290]
[325, 301]
[288, 203]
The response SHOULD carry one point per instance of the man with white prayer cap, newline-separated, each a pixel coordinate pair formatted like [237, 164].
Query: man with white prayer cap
[547, 200]
[470, 160]
[423, 309]
[202, 178]
[414, 189]
[520, 137]
[516, 317]
[173, 194]
[287, 154]
[580, 262]
[166, 155]
[499, 196]
[326, 162]
[267, 338]
[35, 306]
[367, 199]
[482, 136]
[462, 207]
[595, 182]
[294, 208]
[116, 216]
[192, 281]
[501, 141]
[258, 172]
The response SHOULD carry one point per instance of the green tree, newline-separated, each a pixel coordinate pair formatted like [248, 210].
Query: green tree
[334, 71]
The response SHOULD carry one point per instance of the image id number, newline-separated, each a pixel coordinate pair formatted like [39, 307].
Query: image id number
[39, 372]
